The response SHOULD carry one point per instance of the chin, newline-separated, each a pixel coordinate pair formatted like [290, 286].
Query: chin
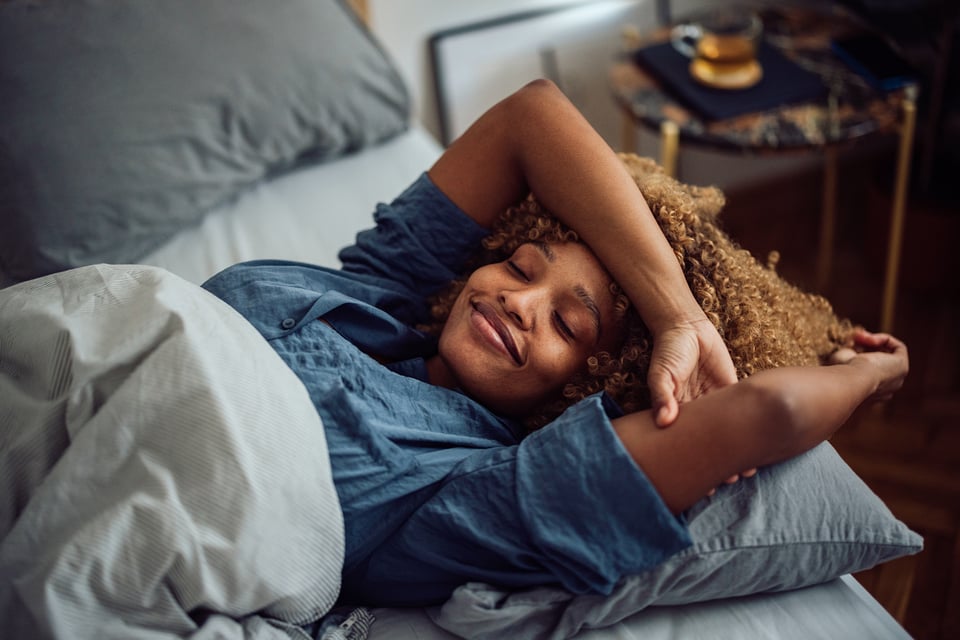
[487, 395]
[514, 408]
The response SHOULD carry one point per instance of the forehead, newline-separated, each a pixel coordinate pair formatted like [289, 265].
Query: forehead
[575, 260]
[576, 267]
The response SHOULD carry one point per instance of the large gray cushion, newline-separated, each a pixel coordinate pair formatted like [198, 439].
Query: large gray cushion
[123, 121]
[799, 523]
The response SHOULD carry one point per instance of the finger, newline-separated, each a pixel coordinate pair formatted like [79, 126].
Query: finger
[852, 338]
[896, 345]
[868, 338]
[867, 342]
[661, 394]
[749, 473]
[842, 355]
[877, 340]
[667, 412]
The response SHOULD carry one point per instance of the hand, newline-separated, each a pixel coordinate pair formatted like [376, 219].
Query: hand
[749, 473]
[887, 356]
[688, 360]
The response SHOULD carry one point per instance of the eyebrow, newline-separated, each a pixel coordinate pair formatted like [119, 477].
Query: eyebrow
[546, 250]
[582, 294]
[591, 306]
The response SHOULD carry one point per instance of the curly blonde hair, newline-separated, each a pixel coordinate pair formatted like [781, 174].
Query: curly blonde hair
[765, 321]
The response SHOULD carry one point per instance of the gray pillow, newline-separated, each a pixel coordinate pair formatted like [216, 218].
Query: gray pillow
[124, 121]
[799, 523]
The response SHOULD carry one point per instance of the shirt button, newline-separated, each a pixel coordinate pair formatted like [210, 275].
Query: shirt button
[288, 323]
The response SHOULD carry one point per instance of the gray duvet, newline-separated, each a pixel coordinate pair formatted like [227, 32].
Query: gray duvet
[162, 472]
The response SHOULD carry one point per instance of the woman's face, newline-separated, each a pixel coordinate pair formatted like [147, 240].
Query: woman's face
[521, 329]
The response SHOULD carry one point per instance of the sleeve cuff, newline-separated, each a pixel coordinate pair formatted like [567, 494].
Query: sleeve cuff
[588, 506]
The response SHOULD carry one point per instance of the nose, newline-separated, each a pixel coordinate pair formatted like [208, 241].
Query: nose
[521, 305]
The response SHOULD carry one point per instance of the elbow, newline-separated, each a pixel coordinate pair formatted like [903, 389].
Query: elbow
[541, 86]
[532, 116]
[535, 100]
[783, 432]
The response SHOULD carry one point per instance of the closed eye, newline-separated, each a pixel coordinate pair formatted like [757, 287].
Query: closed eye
[520, 273]
[563, 326]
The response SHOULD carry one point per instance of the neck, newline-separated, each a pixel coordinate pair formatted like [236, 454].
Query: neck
[439, 374]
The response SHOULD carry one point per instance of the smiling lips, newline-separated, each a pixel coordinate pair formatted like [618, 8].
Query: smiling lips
[496, 331]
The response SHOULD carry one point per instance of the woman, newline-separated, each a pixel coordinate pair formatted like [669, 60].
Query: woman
[438, 480]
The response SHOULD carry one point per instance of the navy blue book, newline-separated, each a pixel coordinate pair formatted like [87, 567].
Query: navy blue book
[783, 82]
[875, 61]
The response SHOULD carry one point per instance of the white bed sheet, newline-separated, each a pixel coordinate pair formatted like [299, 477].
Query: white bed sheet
[838, 609]
[308, 216]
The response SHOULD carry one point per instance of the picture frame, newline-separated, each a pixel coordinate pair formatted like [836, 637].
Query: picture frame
[475, 65]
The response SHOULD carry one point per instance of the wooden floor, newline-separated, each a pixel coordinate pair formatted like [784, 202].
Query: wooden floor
[908, 451]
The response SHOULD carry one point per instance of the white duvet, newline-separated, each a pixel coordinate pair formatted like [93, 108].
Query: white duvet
[162, 472]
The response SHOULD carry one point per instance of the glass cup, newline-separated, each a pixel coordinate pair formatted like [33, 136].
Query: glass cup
[722, 45]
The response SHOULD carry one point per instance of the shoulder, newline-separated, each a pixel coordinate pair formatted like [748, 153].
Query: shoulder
[424, 207]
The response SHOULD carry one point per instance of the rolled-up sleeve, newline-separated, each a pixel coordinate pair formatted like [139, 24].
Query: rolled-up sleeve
[567, 506]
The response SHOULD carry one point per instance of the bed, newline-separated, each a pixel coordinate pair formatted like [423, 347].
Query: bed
[185, 138]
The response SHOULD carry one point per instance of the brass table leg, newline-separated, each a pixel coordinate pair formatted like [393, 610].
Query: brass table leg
[901, 188]
[669, 146]
[828, 218]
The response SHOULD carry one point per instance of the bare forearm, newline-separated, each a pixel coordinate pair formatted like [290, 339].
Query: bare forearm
[769, 417]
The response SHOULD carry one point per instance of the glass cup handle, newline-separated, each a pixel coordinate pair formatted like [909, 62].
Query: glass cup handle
[685, 37]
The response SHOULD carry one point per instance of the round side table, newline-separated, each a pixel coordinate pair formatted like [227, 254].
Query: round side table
[850, 110]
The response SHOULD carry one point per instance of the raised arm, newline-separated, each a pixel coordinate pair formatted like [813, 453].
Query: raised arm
[771, 416]
[537, 141]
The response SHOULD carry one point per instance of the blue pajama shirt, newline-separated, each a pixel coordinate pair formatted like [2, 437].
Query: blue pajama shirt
[435, 489]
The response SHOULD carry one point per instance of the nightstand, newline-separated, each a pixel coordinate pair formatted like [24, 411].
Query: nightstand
[850, 111]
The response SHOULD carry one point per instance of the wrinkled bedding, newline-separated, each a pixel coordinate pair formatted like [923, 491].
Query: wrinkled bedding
[162, 472]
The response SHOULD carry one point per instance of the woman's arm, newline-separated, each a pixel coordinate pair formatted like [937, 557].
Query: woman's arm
[771, 416]
[537, 141]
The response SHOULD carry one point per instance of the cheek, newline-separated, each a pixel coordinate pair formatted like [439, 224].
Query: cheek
[557, 363]
[482, 278]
